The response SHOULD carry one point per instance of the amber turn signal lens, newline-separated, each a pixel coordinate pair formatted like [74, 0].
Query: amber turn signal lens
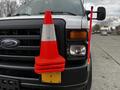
[77, 35]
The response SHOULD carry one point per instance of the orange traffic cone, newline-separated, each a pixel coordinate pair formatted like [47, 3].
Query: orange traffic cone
[49, 59]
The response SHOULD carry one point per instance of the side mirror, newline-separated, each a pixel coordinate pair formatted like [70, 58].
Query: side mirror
[101, 13]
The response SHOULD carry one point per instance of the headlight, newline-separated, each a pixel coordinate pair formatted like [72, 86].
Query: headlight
[77, 50]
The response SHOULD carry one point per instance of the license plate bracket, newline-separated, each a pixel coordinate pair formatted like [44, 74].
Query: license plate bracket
[9, 84]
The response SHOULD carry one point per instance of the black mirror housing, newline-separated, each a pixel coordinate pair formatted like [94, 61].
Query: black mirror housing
[101, 13]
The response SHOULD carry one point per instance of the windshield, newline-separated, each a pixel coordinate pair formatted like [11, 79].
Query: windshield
[36, 7]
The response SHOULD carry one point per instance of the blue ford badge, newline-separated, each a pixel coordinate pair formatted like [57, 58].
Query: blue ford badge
[9, 43]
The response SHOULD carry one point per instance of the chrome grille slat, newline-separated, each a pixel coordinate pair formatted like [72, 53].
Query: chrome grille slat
[21, 37]
[23, 48]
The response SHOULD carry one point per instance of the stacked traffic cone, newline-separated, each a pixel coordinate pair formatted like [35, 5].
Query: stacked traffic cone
[49, 59]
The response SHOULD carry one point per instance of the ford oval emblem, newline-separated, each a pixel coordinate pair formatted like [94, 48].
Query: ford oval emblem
[9, 43]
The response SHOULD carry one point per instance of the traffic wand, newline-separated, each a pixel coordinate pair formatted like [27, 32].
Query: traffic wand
[89, 36]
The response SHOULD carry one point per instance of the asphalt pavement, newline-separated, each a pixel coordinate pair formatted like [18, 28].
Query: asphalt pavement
[106, 62]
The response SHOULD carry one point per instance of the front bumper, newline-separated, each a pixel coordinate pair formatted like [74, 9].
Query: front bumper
[72, 79]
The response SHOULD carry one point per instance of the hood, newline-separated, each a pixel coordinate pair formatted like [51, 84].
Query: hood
[72, 22]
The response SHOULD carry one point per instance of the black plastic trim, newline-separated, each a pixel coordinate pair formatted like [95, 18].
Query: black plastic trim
[71, 77]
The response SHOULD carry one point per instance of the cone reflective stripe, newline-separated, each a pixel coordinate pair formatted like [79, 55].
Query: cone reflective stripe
[49, 42]
[49, 59]
[49, 33]
[89, 35]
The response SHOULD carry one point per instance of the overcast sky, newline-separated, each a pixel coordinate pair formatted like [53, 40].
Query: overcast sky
[112, 6]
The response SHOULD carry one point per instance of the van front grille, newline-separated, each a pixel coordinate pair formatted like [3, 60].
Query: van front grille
[19, 61]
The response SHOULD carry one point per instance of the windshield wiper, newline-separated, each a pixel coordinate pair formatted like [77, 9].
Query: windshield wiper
[21, 14]
[53, 12]
[59, 12]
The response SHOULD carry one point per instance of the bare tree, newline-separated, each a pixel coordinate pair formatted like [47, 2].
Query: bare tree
[24, 1]
[7, 7]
